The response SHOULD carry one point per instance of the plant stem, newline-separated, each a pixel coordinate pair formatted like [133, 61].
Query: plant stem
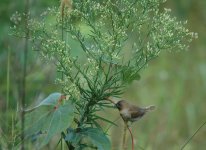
[24, 73]
[131, 137]
[70, 147]
[61, 142]
[8, 80]
[85, 113]
[190, 138]
[124, 137]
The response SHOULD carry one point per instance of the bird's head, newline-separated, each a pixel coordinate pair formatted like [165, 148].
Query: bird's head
[121, 104]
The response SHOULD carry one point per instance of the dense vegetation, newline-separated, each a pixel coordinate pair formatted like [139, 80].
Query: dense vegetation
[173, 82]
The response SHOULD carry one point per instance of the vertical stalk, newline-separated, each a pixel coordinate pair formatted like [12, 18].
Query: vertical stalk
[62, 36]
[64, 3]
[70, 147]
[124, 137]
[62, 74]
[12, 129]
[62, 144]
[131, 137]
[23, 93]
[8, 80]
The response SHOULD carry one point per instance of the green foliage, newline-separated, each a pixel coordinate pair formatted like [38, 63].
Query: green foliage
[49, 117]
[98, 138]
[128, 75]
[52, 100]
[102, 30]
[94, 135]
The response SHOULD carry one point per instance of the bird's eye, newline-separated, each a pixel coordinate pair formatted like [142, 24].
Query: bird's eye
[118, 105]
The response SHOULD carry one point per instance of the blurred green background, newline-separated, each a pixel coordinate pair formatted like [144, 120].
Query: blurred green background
[174, 82]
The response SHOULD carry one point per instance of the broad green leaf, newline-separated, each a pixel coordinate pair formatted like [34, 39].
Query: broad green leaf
[74, 137]
[98, 138]
[37, 120]
[48, 119]
[95, 135]
[61, 119]
[51, 100]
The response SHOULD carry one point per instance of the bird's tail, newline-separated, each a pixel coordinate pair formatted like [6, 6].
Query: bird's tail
[150, 108]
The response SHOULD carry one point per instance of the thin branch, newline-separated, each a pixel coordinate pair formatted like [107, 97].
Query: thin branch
[112, 101]
[190, 138]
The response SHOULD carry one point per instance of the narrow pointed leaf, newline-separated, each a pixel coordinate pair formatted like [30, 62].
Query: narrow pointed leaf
[106, 120]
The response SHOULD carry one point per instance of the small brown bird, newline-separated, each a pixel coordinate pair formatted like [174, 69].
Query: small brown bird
[131, 112]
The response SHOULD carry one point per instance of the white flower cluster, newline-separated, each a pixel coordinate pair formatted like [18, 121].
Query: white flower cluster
[68, 87]
[16, 18]
[109, 32]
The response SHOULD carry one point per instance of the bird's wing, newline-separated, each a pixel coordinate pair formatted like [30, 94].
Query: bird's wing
[136, 112]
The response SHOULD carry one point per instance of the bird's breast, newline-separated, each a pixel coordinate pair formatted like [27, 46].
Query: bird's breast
[125, 113]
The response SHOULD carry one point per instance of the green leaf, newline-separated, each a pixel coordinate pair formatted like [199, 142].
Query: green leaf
[40, 119]
[73, 137]
[48, 119]
[130, 74]
[106, 120]
[61, 119]
[51, 100]
[97, 137]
